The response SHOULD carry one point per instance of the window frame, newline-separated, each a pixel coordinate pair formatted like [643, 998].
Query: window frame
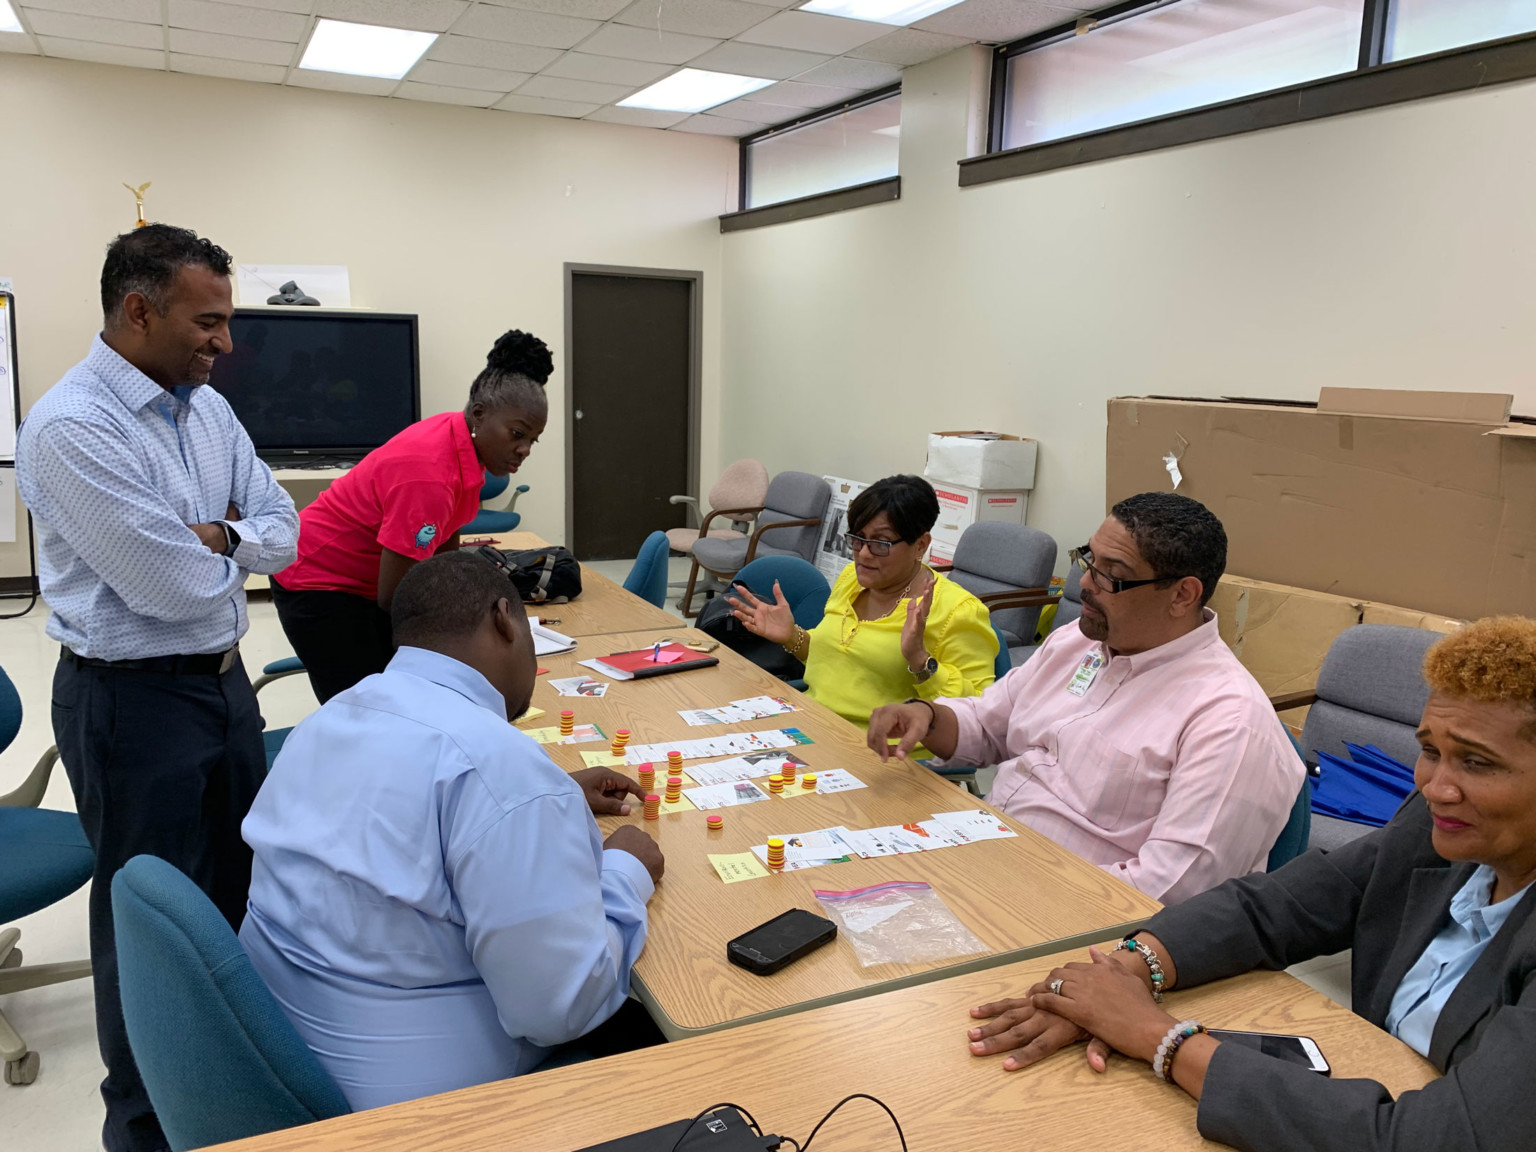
[1371, 84]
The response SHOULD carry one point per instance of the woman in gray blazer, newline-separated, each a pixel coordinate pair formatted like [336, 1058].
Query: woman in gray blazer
[1439, 909]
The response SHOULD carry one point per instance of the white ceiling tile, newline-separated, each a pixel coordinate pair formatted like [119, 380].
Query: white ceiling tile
[438, 94]
[845, 72]
[342, 82]
[17, 42]
[102, 53]
[491, 53]
[233, 20]
[587, 9]
[303, 7]
[813, 33]
[997, 21]
[908, 46]
[607, 69]
[421, 15]
[585, 91]
[542, 107]
[793, 94]
[232, 47]
[465, 76]
[646, 44]
[143, 11]
[756, 112]
[758, 60]
[716, 126]
[229, 69]
[97, 30]
[523, 27]
[719, 18]
[639, 117]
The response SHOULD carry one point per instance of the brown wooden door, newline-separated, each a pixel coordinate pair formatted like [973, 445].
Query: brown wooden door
[632, 368]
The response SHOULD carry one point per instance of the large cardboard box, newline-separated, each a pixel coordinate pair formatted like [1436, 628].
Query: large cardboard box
[981, 460]
[960, 507]
[1435, 514]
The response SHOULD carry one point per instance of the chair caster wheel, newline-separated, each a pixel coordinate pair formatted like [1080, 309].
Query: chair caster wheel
[22, 1071]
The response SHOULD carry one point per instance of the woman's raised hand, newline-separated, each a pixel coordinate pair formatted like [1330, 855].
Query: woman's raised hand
[772, 621]
[918, 607]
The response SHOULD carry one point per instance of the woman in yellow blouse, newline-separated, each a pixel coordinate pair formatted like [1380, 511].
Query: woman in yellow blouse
[893, 628]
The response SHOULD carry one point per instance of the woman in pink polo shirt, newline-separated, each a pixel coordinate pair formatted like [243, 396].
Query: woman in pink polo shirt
[402, 503]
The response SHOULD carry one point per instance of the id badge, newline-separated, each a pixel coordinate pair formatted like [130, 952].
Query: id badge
[1085, 673]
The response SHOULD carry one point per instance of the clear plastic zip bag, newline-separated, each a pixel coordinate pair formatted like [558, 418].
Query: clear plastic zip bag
[899, 922]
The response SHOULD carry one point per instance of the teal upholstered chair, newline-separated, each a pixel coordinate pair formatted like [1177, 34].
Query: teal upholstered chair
[1292, 841]
[44, 856]
[648, 578]
[495, 520]
[219, 1058]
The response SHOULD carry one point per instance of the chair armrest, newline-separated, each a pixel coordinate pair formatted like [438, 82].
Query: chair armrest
[733, 513]
[696, 513]
[1020, 598]
[30, 793]
[942, 567]
[1285, 701]
[761, 528]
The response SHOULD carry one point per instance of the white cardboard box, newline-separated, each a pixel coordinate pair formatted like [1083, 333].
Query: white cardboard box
[960, 507]
[986, 460]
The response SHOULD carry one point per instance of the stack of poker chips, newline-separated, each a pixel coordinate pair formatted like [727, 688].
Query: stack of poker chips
[776, 853]
[788, 772]
[674, 789]
[776, 784]
[808, 781]
[567, 723]
[647, 775]
[715, 821]
[674, 762]
[620, 738]
[652, 806]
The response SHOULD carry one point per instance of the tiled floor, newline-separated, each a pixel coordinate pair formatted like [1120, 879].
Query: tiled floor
[61, 1112]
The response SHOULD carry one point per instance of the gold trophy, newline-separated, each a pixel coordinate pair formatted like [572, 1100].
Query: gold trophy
[138, 199]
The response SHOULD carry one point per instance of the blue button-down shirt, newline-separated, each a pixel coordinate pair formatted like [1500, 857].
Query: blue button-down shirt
[1422, 995]
[431, 902]
[114, 468]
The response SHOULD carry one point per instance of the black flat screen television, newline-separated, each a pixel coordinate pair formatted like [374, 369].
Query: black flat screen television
[320, 385]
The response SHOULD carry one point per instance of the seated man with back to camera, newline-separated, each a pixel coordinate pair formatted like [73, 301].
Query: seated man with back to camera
[431, 902]
[1133, 737]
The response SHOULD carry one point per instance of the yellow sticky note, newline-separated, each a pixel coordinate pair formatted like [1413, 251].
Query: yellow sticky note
[683, 805]
[602, 760]
[739, 866]
[532, 714]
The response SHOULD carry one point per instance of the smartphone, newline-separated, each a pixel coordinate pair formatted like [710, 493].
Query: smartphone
[1301, 1050]
[780, 941]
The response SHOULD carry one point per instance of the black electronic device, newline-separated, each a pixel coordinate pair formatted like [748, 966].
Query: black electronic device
[780, 941]
[1301, 1050]
[320, 384]
[725, 1130]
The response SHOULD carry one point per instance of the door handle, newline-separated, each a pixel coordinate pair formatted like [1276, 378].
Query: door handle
[577, 414]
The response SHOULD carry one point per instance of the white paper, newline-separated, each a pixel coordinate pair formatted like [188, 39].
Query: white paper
[753, 767]
[328, 283]
[873, 842]
[1171, 463]
[726, 795]
[607, 670]
[837, 780]
[580, 686]
[547, 642]
[974, 824]
[7, 505]
[727, 744]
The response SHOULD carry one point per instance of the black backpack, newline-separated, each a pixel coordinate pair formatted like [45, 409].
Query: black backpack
[716, 622]
[540, 575]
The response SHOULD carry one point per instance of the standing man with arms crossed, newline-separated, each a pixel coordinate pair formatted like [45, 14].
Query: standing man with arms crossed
[151, 509]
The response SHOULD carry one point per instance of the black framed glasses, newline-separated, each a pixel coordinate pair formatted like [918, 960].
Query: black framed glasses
[876, 547]
[1083, 558]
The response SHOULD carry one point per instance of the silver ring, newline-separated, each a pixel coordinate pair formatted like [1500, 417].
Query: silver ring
[1056, 987]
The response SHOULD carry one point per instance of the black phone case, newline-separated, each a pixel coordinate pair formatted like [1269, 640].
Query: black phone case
[745, 956]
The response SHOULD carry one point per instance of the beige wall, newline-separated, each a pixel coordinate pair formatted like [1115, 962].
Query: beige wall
[1391, 248]
[463, 215]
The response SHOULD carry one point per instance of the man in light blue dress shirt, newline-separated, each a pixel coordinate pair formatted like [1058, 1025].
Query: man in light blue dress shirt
[431, 901]
[152, 508]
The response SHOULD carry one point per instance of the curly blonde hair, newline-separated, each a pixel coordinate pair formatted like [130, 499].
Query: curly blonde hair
[1492, 659]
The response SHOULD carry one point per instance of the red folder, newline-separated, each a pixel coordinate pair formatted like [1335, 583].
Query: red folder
[642, 662]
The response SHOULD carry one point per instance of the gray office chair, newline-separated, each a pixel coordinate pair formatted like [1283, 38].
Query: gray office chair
[1008, 567]
[1370, 690]
[790, 519]
[1069, 606]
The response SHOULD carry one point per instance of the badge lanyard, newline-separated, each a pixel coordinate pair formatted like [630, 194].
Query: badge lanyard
[1085, 673]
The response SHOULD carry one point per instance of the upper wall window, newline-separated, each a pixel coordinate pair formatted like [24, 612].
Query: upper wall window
[1171, 57]
[1418, 27]
[837, 148]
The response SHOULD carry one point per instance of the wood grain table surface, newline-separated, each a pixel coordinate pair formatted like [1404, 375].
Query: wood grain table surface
[906, 1047]
[1020, 896]
[603, 605]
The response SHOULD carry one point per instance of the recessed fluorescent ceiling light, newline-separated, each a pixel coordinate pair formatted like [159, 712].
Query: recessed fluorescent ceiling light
[899, 12]
[693, 90]
[8, 21]
[364, 49]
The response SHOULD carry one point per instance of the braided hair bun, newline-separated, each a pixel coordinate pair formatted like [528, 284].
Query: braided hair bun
[523, 354]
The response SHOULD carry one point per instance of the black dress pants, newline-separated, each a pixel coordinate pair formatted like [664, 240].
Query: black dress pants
[340, 636]
[162, 764]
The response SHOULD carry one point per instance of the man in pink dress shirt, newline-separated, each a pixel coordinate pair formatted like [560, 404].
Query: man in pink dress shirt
[1133, 737]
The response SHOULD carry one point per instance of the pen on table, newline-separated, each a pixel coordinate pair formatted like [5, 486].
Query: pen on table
[656, 653]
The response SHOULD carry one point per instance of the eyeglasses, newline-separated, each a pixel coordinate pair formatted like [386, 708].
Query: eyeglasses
[876, 547]
[1083, 558]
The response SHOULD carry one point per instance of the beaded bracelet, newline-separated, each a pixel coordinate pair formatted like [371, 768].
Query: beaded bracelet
[1154, 965]
[1162, 1063]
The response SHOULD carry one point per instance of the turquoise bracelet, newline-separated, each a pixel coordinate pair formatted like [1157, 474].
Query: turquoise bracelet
[1154, 965]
